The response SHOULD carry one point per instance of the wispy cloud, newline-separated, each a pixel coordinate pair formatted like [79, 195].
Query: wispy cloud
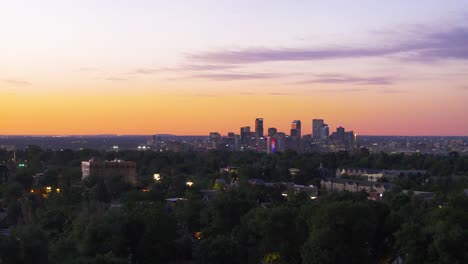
[344, 79]
[186, 68]
[236, 76]
[116, 79]
[203, 67]
[451, 43]
[145, 71]
[341, 90]
[16, 82]
[276, 93]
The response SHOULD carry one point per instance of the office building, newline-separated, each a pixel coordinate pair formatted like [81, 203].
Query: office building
[340, 133]
[245, 133]
[272, 131]
[280, 143]
[325, 131]
[109, 168]
[296, 128]
[349, 140]
[259, 127]
[317, 127]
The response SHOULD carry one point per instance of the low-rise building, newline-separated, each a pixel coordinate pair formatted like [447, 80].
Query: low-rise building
[107, 168]
[339, 185]
[376, 174]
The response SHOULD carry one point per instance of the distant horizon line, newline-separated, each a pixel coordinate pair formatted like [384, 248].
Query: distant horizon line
[177, 135]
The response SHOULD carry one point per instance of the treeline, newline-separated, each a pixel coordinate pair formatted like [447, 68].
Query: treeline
[191, 163]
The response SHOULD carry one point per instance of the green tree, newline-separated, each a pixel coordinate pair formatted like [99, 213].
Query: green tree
[32, 243]
[219, 249]
[342, 232]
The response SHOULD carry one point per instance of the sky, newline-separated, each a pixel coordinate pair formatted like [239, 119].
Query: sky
[192, 67]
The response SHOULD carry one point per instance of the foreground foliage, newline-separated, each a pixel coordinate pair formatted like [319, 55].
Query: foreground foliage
[109, 221]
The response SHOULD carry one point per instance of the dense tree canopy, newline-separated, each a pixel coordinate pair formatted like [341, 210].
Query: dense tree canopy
[106, 220]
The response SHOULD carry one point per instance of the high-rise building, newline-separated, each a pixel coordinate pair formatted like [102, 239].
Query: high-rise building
[325, 131]
[272, 131]
[259, 127]
[350, 140]
[244, 133]
[280, 144]
[317, 125]
[296, 128]
[296, 124]
[340, 133]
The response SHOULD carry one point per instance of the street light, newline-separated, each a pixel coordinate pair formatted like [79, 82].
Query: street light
[157, 177]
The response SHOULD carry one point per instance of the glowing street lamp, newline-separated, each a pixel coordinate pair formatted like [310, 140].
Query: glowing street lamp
[157, 177]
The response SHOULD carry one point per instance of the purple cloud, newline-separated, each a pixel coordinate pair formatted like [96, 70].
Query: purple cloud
[339, 79]
[452, 44]
[266, 55]
[204, 67]
[448, 44]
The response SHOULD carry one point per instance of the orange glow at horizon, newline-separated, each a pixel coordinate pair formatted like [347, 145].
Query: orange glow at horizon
[153, 113]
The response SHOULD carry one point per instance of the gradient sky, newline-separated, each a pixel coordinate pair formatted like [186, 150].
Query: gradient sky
[190, 67]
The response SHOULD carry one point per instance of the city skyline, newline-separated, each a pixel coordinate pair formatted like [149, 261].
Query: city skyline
[143, 67]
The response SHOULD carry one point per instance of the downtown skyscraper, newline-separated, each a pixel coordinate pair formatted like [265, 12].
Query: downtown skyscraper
[317, 125]
[296, 128]
[259, 128]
